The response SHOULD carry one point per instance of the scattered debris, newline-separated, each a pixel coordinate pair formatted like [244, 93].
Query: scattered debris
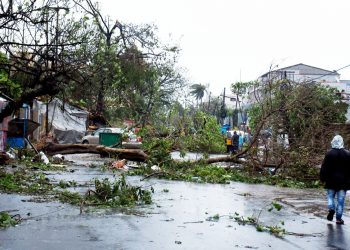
[215, 218]
[7, 220]
[167, 220]
[109, 194]
[153, 174]
[44, 158]
[196, 179]
[56, 159]
[275, 230]
[250, 247]
[132, 166]
[190, 222]
[244, 194]
[66, 184]
[155, 168]
[118, 164]
[12, 153]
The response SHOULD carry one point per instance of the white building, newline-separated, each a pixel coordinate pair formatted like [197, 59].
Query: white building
[302, 73]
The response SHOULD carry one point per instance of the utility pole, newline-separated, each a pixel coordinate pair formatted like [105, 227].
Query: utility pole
[54, 63]
[56, 40]
[222, 111]
[209, 102]
[47, 66]
[223, 98]
[57, 9]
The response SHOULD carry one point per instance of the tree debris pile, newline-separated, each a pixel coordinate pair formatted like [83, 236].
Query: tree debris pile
[117, 194]
[298, 118]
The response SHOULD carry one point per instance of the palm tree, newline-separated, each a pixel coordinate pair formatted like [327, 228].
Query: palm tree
[198, 91]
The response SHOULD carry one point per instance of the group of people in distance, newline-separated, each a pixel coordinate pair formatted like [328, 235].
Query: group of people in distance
[235, 143]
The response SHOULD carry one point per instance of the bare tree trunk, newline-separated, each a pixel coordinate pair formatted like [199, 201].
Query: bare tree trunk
[100, 105]
[129, 154]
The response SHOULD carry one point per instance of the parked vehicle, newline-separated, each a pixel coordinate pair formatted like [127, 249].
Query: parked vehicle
[225, 128]
[93, 138]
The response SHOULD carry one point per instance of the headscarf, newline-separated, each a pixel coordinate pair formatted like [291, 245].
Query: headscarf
[337, 142]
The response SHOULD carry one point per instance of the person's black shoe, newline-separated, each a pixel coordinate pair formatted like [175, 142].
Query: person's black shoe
[340, 222]
[330, 215]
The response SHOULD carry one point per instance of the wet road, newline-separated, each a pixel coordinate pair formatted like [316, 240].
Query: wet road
[176, 220]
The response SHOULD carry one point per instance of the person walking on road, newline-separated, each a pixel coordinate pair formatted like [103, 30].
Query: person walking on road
[240, 141]
[335, 173]
[235, 142]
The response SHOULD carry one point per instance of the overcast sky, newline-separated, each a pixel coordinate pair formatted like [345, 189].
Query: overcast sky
[224, 41]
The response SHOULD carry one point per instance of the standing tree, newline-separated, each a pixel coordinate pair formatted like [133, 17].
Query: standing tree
[132, 71]
[39, 42]
[107, 50]
[240, 90]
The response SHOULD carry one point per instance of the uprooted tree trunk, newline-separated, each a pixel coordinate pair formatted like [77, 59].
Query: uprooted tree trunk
[129, 154]
[232, 159]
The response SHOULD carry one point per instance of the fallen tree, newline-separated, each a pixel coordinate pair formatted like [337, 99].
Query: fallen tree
[129, 154]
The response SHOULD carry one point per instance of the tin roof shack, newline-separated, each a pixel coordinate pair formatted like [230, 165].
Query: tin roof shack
[18, 131]
[66, 122]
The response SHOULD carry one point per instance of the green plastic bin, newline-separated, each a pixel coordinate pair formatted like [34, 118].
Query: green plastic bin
[110, 139]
